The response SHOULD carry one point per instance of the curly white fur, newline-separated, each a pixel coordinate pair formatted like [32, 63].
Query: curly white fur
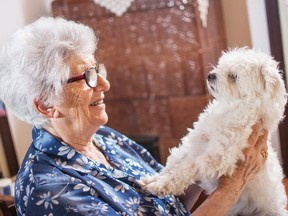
[246, 86]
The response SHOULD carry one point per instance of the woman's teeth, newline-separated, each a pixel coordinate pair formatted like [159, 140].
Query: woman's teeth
[96, 103]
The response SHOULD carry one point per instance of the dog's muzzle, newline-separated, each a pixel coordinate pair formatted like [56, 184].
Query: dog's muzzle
[211, 77]
[211, 81]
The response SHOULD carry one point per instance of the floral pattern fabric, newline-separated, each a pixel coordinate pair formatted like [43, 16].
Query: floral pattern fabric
[54, 179]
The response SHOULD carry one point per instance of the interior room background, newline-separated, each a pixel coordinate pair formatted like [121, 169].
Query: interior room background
[159, 109]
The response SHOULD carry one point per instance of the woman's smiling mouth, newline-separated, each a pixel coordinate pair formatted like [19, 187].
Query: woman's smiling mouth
[97, 103]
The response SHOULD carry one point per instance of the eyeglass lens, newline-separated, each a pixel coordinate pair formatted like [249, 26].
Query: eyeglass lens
[91, 74]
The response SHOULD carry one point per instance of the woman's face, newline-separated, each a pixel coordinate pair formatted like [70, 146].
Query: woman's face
[83, 108]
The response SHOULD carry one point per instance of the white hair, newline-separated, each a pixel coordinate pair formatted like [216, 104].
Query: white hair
[33, 64]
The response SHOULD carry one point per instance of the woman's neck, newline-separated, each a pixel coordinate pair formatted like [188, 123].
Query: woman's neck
[85, 146]
[78, 142]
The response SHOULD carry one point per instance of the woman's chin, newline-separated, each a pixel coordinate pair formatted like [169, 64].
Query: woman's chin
[105, 120]
[101, 119]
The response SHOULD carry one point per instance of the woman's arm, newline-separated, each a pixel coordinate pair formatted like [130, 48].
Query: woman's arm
[230, 188]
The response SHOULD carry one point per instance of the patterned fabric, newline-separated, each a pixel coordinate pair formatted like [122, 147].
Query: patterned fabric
[54, 179]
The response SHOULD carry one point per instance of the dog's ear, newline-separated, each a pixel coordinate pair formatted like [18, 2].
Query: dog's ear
[274, 96]
[274, 85]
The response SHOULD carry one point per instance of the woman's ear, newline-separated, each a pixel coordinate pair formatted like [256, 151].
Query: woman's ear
[48, 112]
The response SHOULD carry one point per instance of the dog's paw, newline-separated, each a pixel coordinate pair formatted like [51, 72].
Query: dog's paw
[158, 185]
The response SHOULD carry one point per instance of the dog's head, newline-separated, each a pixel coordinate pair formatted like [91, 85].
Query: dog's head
[247, 74]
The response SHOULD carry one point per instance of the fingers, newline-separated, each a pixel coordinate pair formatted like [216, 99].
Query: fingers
[256, 130]
[260, 147]
[261, 142]
[254, 162]
[256, 165]
[264, 154]
[255, 156]
[258, 137]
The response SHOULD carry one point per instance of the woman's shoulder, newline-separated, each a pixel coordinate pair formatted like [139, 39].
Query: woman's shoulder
[110, 135]
[114, 139]
[109, 132]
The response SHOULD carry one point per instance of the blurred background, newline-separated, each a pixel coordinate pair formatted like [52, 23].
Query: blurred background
[158, 54]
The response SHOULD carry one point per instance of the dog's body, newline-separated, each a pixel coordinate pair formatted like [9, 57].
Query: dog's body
[247, 86]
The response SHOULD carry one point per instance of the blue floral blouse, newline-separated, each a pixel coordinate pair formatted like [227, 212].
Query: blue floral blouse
[54, 179]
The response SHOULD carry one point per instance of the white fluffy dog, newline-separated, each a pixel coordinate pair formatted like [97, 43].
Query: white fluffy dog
[246, 86]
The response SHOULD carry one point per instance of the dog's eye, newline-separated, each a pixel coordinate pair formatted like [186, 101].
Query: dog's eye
[233, 77]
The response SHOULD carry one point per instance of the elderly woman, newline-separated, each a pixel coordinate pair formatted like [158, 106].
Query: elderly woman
[75, 165]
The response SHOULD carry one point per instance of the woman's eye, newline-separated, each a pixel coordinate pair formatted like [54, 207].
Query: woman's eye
[233, 77]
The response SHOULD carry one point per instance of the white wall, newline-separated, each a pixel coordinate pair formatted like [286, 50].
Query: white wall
[13, 15]
[16, 13]
[11, 18]
[258, 25]
[283, 10]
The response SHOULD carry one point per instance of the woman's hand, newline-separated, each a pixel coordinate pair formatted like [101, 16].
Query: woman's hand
[230, 187]
[255, 157]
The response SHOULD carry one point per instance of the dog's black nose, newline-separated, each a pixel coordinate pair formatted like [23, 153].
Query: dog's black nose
[211, 76]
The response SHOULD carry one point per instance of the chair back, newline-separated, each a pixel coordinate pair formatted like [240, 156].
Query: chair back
[7, 209]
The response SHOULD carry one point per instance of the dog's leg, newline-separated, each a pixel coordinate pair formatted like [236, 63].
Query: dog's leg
[171, 180]
[179, 173]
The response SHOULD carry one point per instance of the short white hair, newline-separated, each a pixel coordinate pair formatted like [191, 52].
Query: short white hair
[33, 64]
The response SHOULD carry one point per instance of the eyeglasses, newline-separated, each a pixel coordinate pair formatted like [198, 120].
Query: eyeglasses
[91, 75]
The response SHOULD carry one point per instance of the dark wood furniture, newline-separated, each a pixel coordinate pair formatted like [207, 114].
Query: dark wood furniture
[8, 146]
[7, 206]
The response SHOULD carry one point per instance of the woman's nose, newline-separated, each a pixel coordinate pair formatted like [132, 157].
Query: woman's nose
[102, 83]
